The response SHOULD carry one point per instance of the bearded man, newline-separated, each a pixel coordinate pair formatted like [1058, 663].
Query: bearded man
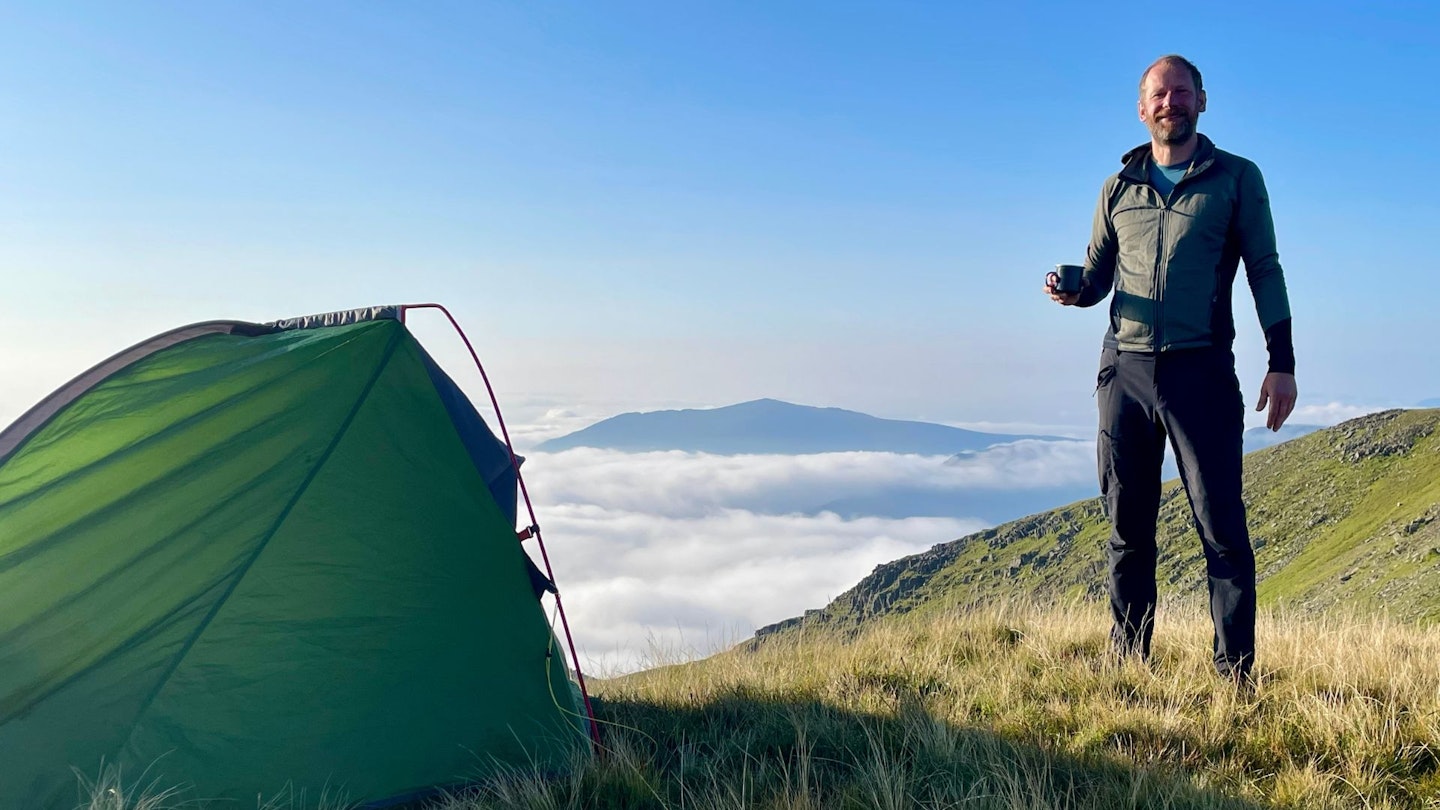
[1169, 233]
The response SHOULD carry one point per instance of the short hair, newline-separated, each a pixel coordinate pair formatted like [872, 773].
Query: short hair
[1174, 59]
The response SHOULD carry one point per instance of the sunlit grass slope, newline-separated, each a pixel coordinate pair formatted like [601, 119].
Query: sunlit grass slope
[1018, 708]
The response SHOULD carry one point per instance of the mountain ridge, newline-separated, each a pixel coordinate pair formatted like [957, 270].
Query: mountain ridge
[772, 426]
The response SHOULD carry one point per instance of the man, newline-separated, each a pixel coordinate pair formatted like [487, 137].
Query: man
[1170, 230]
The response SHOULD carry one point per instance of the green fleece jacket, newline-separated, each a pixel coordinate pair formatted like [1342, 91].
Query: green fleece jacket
[1172, 261]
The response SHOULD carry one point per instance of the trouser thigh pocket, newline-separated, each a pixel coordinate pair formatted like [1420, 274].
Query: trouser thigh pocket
[1106, 375]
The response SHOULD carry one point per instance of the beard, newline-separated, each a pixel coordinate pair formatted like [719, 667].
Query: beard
[1174, 129]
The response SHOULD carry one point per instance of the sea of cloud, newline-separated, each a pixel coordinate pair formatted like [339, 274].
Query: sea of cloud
[665, 556]
[697, 485]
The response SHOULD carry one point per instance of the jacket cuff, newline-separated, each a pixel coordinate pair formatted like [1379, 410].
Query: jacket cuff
[1281, 345]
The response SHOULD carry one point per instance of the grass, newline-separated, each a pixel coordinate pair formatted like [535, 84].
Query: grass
[1012, 707]
[1021, 707]
[114, 789]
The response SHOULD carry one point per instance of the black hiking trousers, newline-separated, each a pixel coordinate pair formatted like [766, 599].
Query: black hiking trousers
[1191, 396]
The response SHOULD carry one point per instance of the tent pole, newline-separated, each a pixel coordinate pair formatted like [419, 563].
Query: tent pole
[530, 507]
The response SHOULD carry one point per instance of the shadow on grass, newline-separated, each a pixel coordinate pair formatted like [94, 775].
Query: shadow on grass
[744, 750]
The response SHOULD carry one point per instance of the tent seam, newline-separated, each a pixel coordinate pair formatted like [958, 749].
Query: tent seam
[264, 544]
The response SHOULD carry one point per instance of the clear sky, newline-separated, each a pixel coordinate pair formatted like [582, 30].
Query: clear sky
[640, 204]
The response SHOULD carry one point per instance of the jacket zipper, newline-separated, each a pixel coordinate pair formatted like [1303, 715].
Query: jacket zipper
[1159, 284]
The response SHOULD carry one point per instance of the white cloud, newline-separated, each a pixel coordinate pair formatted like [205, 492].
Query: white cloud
[1026, 464]
[680, 484]
[1072, 431]
[1330, 413]
[551, 422]
[665, 556]
[634, 582]
[669, 555]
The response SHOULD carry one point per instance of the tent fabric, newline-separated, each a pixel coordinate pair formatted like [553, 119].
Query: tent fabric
[256, 560]
[36, 417]
[490, 456]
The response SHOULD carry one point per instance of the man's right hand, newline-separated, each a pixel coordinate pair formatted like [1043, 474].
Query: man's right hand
[1063, 299]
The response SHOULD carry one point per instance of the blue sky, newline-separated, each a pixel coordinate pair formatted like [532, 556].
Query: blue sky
[632, 205]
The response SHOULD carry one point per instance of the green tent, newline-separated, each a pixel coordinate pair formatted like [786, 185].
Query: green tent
[248, 558]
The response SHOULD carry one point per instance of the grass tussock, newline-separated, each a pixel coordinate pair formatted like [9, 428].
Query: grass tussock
[115, 789]
[1014, 707]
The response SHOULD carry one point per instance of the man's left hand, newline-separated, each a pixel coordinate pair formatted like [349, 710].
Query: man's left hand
[1278, 390]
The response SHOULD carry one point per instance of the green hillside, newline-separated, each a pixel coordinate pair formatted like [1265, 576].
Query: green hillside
[1347, 517]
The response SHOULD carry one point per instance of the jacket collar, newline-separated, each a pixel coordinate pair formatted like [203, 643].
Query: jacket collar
[1137, 160]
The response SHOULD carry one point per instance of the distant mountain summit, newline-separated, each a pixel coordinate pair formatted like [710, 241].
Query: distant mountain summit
[772, 426]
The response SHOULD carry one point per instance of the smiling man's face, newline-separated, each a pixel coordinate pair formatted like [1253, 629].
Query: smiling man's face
[1169, 104]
